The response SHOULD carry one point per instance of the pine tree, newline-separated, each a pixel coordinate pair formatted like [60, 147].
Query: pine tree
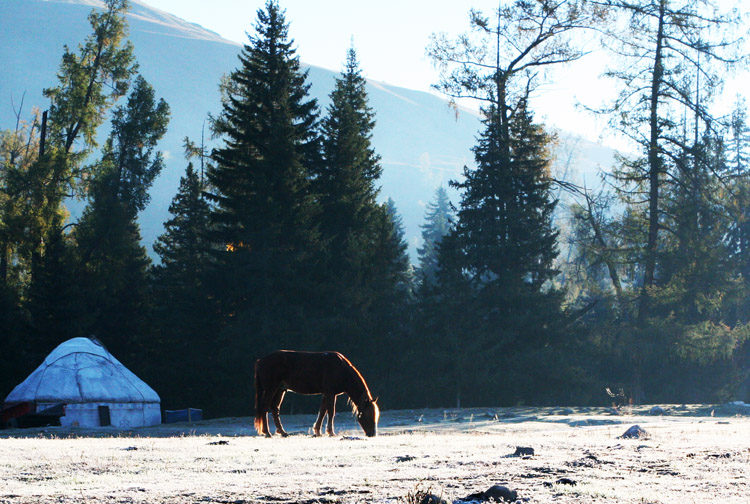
[89, 84]
[438, 222]
[504, 246]
[494, 302]
[738, 153]
[182, 248]
[265, 243]
[52, 167]
[351, 219]
[112, 263]
[668, 63]
[389, 317]
[184, 312]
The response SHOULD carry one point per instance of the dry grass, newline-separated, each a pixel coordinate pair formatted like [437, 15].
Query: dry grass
[689, 456]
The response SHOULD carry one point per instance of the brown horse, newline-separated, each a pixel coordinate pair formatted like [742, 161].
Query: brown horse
[311, 373]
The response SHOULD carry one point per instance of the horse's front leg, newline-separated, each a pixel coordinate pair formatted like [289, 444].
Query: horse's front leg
[321, 416]
[331, 407]
[275, 406]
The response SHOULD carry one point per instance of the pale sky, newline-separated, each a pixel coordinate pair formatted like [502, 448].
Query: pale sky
[390, 37]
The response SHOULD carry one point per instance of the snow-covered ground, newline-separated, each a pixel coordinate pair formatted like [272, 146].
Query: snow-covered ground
[691, 454]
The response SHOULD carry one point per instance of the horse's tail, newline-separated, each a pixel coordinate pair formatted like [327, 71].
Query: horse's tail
[258, 393]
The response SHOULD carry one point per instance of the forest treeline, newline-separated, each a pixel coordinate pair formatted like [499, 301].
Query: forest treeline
[278, 237]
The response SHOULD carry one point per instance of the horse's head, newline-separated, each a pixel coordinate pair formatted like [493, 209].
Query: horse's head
[368, 416]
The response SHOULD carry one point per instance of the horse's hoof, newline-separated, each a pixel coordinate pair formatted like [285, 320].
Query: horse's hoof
[268, 435]
[283, 434]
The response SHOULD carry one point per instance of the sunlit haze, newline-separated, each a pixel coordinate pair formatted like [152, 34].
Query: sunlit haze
[390, 37]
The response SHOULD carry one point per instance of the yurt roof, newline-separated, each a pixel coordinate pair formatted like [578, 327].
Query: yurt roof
[81, 370]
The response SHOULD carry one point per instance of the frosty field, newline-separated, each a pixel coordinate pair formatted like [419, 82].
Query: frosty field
[692, 454]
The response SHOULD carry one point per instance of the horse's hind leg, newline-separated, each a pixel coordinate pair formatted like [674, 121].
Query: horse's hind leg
[265, 404]
[264, 422]
[321, 416]
[275, 405]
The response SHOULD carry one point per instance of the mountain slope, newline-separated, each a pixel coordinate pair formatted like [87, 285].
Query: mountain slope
[422, 142]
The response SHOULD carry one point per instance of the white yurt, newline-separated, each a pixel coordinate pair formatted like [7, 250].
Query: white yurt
[97, 389]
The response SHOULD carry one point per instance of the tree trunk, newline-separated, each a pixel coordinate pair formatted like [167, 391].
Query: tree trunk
[3, 266]
[654, 167]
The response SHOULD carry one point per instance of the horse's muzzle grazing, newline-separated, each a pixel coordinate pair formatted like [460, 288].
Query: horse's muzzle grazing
[368, 417]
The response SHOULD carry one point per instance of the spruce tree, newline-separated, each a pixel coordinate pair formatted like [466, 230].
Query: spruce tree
[351, 218]
[399, 267]
[494, 302]
[438, 222]
[503, 248]
[184, 312]
[265, 243]
[389, 317]
[182, 248]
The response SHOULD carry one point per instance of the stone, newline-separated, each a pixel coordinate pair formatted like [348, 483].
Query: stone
[657, 411]
[523, 451]
[566, 481]
[634, 432]
[500, 493]
[496, 493]
[432, 499]
[405, 458]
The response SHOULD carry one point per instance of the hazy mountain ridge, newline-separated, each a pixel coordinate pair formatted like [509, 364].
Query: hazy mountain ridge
[423, 143]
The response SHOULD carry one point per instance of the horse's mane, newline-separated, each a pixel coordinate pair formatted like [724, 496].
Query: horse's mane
[351, 403]
[357, 376]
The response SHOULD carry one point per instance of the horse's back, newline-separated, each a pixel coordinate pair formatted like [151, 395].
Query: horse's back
[303, 372]
[297, 358]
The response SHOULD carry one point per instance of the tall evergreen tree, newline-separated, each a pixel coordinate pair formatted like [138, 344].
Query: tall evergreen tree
[738, 143]
[390, 315]
[351, 218]
[504, 245]
[184, 312]
[439, 219]
[668, 59]
[399, 268]
[52, 167]
[738, 160]
[112, 263]
[182, 248]
[495, 299]
[264, 213]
